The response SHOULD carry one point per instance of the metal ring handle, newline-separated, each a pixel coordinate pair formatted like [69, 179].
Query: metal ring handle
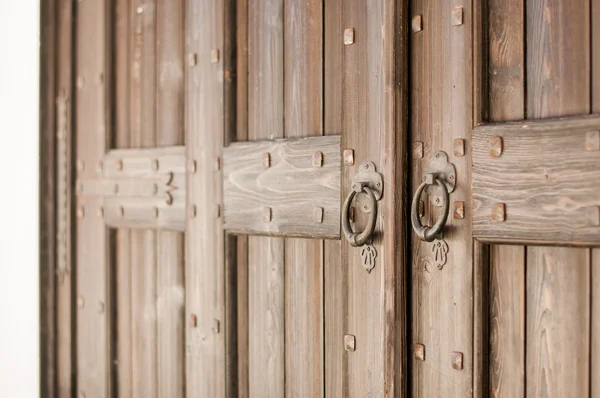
[355, 238]
[426, 233]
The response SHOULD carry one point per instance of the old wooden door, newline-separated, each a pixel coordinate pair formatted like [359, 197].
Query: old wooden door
[199, 155]
[508, 305]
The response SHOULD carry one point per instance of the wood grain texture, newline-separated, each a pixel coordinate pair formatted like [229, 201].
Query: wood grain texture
[481, 313]
[374, 125]
[266, 340]
[92, 372]
[292, 187]
[544, 179]
[595, 324]
[335, 276]
[205, 251]
[558, 279]
[266, 321]
[50, 350]
[170, 289]
[442, 111]
[558, 322]
[303, 110]
[507, 321]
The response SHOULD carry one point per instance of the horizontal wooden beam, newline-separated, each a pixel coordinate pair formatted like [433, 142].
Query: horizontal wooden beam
[287, 187]
[537, 181]
[140, 188]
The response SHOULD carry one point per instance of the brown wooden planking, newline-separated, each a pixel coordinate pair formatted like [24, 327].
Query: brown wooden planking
[92, 242]
[506, 99]
[50, 347]
[241, 134]
[481, 326]
[205, 267]
[374, 126]
[558, 84]
[442, 77]
[122, 338]
[595, 324]
[335, 283]
[291, 187]
[543, 177]
[266, 318]
[558, 322]
[507, 321]
[265, 120]
[170, 290]
[303, 109]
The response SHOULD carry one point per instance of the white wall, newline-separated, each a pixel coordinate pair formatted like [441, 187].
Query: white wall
[19, 225]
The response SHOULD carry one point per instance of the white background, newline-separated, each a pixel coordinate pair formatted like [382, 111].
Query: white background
[19, 214]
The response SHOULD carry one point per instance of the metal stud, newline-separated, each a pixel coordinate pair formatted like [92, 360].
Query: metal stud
[266, 160]
[192, 59]
[155, 212]
[317, 159]
[218, 210]
[417, 23]
[350, 343]
[457, 16]
[459, 147]
[119, 164]
[80, 165]
[458, 210]
[193, 320]
[191, 166]
[349, 157]
[217, 164]
[155, 165]
[121, 211]
[80, 212]
[592, 140]
[457, 360]
[214, 56]
[498, 212]
[267, 214]
[100, 307]
[216, 326]
[318, 215]
[100, 211]
[495, 146]
[80, 82]
[80, 302]
[100, 167]
[348, 36]
[419, 352]
[192, 211]
[417, 150]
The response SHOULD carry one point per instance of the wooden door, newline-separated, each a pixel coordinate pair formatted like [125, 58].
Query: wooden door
[201, 153]
[505, 89]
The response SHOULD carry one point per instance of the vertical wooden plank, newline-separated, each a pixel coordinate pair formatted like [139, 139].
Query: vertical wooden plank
[507, 283]
[335, 275]
[170, 289]
[558, 296]
[205, 266]
[558, 322]
[50, 308]
[242, 241]
[120, 113]
[481, 327]
[595, 324]
[92, 241]
[303, 104]
[374, 126]
[507, 321]
[442, 99]
[143, 242]
[266, 255]
[266, 317]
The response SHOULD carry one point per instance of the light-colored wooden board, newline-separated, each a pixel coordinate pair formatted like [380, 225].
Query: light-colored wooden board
[204, 241]
[558, 322]
[92, 373]
[507, 321]
[291, 187]
[441, 102]
[544, 177]
[170, 289]
[595, 324]
[374, 116]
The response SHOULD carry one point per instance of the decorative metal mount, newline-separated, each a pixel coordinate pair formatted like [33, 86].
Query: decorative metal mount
[367, 188]
[139, 188]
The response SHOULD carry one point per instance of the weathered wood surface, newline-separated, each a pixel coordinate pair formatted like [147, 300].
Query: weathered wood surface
[92, 244]
[545, 177]
[374, 125]
[141, 188]
[266, 305]
[204, 241]
[595, 324]
[291, 187]
[441, 103]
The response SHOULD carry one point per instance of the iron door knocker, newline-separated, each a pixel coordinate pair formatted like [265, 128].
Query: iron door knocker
[367, 183]
[439, 181]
